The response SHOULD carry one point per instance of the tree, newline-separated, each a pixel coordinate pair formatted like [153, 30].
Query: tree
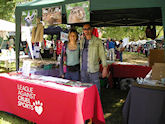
[9, 7]
[133, 32]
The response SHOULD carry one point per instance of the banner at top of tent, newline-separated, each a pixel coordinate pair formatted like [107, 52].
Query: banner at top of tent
[78, 12]
[52, 15]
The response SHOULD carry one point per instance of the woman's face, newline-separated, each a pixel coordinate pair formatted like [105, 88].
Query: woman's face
[72, 36]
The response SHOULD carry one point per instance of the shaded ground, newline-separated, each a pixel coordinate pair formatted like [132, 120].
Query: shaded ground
[112, 99]
[112, 102]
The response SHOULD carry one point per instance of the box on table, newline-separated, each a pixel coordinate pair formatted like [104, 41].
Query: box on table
[156, 56]
[158, 71]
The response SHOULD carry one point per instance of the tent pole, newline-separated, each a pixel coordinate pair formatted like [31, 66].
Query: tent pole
[163, 21]
[40, 13]
[18, 36]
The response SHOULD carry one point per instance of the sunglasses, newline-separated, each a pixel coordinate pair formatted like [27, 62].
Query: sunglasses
[86, 28]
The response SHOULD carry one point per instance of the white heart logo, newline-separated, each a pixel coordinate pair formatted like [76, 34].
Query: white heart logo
[38, 107]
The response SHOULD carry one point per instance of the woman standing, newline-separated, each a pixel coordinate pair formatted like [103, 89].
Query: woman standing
[121, 49]
[70, 57]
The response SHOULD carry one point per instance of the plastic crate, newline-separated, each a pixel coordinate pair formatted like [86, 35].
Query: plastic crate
[48, 67]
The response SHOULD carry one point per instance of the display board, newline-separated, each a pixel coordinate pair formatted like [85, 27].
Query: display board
[29, 17]
[78, 12]
[52, 15]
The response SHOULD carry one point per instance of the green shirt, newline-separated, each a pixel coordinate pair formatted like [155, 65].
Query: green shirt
[96, 52]
[73, 57]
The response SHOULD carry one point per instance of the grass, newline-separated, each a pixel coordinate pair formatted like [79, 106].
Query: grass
[135, 58]
[6, 118]
[112, 99]
[112, 102]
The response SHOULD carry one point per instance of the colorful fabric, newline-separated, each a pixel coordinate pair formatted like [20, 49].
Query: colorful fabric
[59, 45]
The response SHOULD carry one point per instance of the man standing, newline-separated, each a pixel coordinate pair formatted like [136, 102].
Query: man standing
[111, 50]
[91, 51]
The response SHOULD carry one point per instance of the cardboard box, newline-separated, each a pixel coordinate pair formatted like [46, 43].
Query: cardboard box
[156, 56]
[158, 71]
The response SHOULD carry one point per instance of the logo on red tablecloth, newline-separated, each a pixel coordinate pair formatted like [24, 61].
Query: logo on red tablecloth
[27, 99]
[38, 106]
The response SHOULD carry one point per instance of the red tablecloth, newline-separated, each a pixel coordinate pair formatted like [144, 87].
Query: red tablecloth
[49, 105]
[129, 71]
[126, 71]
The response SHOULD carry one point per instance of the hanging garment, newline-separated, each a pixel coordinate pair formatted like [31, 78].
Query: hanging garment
[37, 33]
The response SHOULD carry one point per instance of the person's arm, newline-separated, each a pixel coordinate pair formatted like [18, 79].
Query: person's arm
[104, 72]
[61, 63]
[103, 59]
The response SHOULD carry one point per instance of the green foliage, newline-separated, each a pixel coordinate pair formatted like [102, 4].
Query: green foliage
[9, 7]
[133, 32]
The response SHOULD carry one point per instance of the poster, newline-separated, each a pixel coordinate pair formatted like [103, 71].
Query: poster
[29, 17]
[78, 12]
[52, 15]
[64, 36]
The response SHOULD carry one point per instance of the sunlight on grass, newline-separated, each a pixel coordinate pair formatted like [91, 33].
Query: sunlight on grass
[118, 104]
[107, 115]
[140, 61]
[4, 122]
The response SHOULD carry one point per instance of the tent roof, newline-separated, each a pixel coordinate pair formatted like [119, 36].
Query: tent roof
[7, 26]
[110, 12]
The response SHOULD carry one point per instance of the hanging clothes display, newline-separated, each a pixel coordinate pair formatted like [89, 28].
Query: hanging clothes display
[59, 45]
[37, 32]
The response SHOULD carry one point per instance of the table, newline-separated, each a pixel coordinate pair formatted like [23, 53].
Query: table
[144, 106]
[43, 103]
[54, 72]
[129, 71]
[118, 71]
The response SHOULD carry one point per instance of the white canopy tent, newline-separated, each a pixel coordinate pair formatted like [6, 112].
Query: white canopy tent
[141, 42]
[7, 26]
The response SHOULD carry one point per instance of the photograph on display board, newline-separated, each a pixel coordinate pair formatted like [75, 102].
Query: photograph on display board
[52, 15]
[78, 12]
[29, 17]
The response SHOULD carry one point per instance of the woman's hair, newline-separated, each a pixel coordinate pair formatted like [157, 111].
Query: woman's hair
[121, 41]
[74, 31]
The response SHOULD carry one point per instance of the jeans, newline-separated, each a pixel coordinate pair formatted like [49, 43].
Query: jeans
[121, 56]
[93, 78]
[72, 75]
[112, 54]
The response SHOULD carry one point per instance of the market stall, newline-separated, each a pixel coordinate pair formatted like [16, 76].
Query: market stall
[123, 13]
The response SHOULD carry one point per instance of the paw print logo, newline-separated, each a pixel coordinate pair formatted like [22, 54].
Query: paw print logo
[38, 107]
